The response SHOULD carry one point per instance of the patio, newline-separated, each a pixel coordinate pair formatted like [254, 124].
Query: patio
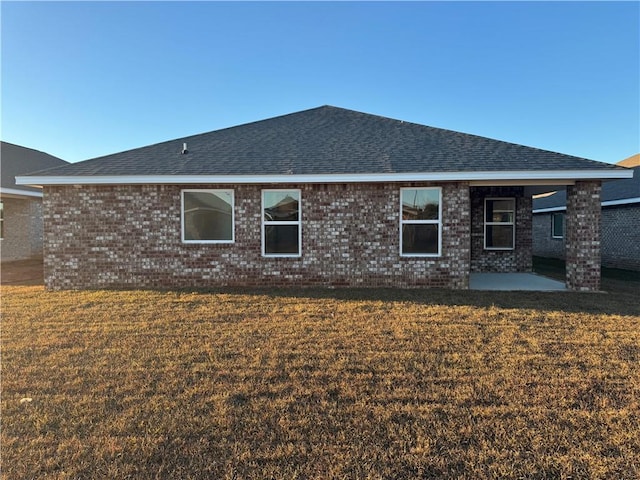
[514, 282]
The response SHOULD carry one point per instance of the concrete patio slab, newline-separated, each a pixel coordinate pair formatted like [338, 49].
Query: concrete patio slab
[514, 282]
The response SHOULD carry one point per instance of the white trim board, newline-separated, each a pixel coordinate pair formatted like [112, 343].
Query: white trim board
[519, 177]
[608, 203]
[20, 193]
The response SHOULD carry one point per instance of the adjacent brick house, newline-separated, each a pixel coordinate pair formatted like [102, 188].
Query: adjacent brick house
[325, 196]
[620, 223]
[21, 205]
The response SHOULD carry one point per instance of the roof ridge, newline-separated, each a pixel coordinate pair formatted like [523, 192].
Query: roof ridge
[329, 140]
[192, 136]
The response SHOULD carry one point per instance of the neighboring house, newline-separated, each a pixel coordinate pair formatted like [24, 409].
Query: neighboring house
[620, 224]
[325, 196]
[21, 205]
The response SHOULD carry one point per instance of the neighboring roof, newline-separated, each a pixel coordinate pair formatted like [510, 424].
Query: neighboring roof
[325, 143]
[197, 200]
[616, 192]
[632, 161]
[16, 160]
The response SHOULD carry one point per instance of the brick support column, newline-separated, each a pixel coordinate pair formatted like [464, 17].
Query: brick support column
[583, 236]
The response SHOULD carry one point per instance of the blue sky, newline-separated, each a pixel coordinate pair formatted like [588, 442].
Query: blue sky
[85, 79]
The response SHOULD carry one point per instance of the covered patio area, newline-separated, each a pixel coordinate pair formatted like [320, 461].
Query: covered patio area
[502, 232]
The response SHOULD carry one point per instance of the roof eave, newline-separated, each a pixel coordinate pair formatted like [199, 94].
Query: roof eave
[476, 178]
[19, 193]
[606, 203]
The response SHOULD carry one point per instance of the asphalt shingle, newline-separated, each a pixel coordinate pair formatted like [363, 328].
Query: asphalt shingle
[326, 140]
[17, 160]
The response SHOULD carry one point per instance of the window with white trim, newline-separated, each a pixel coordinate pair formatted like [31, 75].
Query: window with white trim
[207, 216]
[1, 220]
[499, 223]
[281, 223]
[557, 225]
[420, 221]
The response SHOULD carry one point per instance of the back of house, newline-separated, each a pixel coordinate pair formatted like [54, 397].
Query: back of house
[325, 196]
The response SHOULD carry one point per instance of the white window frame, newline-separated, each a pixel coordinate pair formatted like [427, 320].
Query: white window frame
[1, 219]
[264, 223]
[209, 190]
[554, 234]
[437, 222]
[512, 224]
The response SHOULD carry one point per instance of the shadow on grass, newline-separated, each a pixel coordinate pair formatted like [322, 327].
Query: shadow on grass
[570, 302]
[22, 272]
[619, 296]
[556, 268]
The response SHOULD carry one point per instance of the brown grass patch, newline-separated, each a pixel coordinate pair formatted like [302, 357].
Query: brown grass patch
[319, 384]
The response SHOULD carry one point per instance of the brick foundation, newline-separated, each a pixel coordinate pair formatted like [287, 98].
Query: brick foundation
[128, 236]
[583, 236]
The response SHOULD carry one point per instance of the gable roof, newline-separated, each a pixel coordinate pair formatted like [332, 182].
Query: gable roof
[618, 192]
[16, 160]
[328, 143]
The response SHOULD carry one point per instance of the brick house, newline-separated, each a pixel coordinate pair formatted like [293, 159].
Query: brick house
[21, 205]
[620, 223]
[325, 196]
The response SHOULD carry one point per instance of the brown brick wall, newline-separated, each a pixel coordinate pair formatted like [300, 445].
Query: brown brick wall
[620, 245]
[619, 241]
[503, 261]
[22, 228]
[583, 236]
[129, 236]
[544, 245]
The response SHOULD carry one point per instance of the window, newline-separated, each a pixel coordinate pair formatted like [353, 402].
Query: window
[207, 216]
[557, 225]
[499, 223]
[1, 220]
[281, 223]
[420, 216]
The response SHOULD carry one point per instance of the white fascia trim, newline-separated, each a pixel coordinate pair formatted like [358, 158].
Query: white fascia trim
[622, 201]
[549, 210]
[22, 193]
[608, 203]
[515, 176]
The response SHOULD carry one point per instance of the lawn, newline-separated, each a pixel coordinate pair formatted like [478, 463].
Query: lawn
[319, 384]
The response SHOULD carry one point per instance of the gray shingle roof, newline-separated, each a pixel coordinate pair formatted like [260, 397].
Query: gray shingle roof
[16, 160]
[614, 190]
[326, 140]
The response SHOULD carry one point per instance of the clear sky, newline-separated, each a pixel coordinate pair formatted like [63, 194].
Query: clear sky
[85, 79]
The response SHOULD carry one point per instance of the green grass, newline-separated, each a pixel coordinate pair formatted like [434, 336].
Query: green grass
[285, 384]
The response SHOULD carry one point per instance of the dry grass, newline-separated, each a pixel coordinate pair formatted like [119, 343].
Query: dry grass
[319, 384]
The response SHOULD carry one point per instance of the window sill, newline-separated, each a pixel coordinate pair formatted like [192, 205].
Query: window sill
[208, 242]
